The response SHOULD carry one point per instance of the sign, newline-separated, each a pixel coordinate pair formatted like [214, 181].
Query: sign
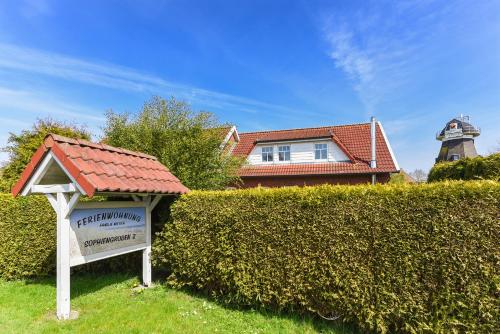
[111, 228]
[453, 132]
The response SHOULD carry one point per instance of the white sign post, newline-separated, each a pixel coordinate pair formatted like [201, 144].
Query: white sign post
[93, 231]
[63, 169]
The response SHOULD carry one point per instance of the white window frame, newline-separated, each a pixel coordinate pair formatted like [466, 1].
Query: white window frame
[268, 154]
[285, 152]
[453, 157]
[316, 149]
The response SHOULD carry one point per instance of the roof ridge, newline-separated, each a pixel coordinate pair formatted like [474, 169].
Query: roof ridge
[311, 128]
[100, 146]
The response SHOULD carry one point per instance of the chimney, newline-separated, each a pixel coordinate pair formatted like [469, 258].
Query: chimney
[373, 162]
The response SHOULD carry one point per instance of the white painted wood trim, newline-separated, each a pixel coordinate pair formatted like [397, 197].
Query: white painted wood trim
[53, 188]
[63, 265]
[228, 136]
[53, 201]
[80, 189]
[319, 140]
[146, 254]
[388, 145]
[155, 202]
[110, 205]
[39, 173]
[76, 261]
[72, 204]
[42, 169]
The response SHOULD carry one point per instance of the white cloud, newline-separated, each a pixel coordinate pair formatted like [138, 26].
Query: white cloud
[13, 101]
[393, 50]
[20, 108]
[376, 65]
[36, 62]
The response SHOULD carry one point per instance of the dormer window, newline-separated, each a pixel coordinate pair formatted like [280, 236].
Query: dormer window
[320, 151]
[267, 154]
[284, 153]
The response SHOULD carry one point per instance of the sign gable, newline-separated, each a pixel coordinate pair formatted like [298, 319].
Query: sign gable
[98, 168]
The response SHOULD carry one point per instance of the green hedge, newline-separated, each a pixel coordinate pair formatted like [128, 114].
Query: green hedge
[28, 240]
[485, 168]
[27, 236]
[401, 258]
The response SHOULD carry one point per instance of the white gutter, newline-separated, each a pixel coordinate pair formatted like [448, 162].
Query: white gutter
[389, 147]
[231, 132]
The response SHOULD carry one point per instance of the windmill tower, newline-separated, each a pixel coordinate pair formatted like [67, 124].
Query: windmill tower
[457, 139]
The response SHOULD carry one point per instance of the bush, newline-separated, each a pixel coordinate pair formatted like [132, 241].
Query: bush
[27, 236]
[28, 240]
[486, 168]
[421, 258]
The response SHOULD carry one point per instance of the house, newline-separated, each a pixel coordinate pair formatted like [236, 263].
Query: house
[341, 154]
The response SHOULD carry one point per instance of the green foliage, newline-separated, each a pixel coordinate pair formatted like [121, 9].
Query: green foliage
[27, 236]
[179, 138]
[401, 258]
[397, 178]
[486, 168]
[22, 147]
[28, 241]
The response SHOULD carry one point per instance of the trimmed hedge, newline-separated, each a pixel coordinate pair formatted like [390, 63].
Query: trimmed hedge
[399, 258]
[28, 240]
[485, 168]
[27, 236]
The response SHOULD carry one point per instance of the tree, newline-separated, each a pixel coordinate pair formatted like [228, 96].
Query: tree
[419, 175]
[397, 178]
[187, 142]
[21, 147]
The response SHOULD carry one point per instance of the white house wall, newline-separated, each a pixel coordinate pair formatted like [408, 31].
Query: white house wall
[300, 152]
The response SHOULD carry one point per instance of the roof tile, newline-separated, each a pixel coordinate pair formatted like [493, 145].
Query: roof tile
[353, 139]
[103, 168]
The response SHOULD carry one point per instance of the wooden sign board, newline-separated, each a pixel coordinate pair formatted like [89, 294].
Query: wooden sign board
[99, 230]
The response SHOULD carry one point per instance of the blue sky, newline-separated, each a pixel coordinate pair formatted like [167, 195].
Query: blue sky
[258, 64]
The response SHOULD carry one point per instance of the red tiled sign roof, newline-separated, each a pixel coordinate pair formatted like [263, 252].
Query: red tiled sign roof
[103, 168]
[353, 139]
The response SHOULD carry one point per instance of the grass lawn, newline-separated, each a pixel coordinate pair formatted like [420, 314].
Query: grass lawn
[107, 304]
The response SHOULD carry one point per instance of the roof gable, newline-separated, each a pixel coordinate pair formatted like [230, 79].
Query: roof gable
[100, 168]
[353, 139]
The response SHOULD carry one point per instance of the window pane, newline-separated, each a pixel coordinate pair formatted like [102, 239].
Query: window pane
[284, 148]
[284, 153]
[320, 151]
[267, 153]
[284, 156]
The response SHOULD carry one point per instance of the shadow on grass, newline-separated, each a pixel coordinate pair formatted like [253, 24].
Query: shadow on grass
[319, 324]
[85, 283]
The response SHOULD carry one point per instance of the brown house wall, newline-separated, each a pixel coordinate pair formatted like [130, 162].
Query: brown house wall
[310, 180]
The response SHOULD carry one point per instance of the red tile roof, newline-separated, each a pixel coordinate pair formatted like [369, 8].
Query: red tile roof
[102, 168]
[353, 139]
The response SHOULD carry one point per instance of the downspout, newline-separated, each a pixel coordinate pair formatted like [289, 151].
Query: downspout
[373, 162]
